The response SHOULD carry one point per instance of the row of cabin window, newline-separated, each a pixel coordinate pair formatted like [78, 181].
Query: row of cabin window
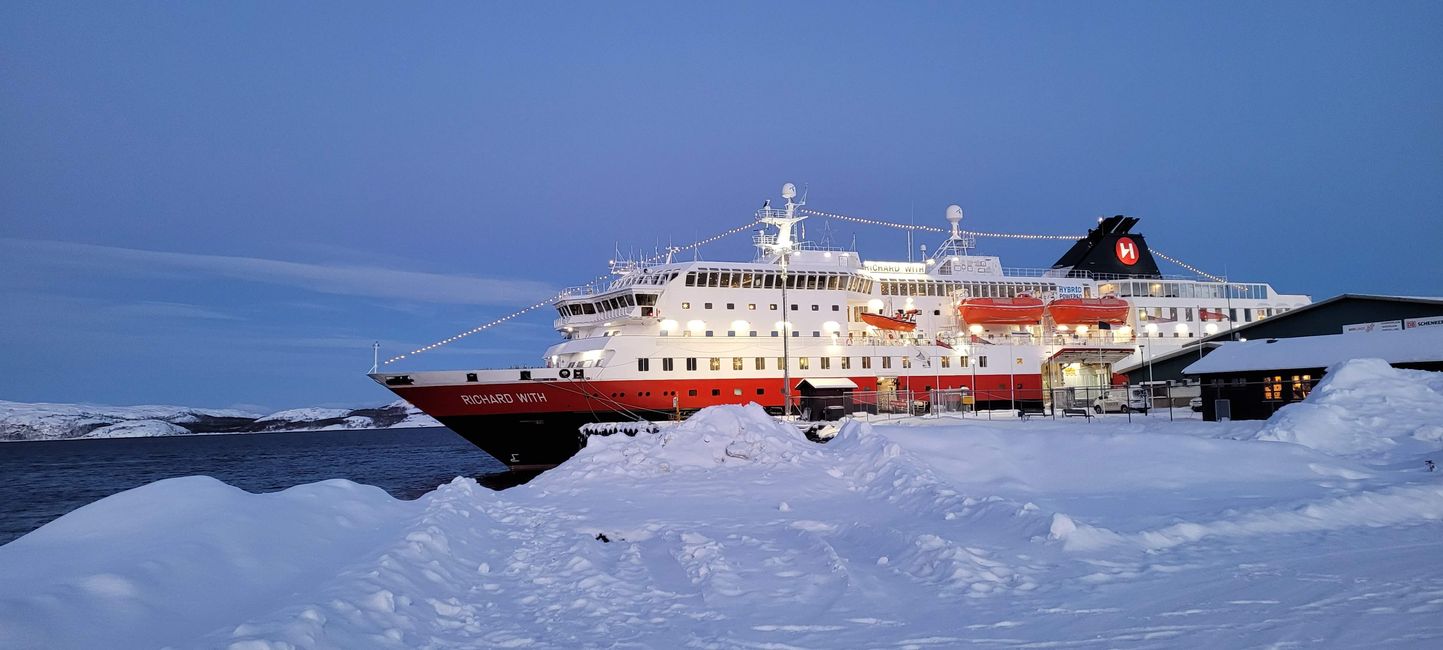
[646, 277]
[715, 392]
[753, 306]
[1141, 288]
[1146, 313]
[777, 333]
[944, 288]
[623, 301]
[769, 280]
[668, 364]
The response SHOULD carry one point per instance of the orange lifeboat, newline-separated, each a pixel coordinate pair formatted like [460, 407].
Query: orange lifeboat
[1022, 310]
[1086, 311]
[904, 321]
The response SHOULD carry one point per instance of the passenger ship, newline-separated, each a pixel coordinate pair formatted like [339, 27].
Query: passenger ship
[664, 339]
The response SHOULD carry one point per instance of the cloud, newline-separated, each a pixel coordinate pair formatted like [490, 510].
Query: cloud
[349, 280]
[166, 310]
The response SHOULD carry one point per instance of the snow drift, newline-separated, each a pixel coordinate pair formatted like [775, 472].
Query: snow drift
[1367, 409]
[731, 530]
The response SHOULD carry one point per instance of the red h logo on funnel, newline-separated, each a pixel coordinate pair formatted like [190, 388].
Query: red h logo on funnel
[1127, 251]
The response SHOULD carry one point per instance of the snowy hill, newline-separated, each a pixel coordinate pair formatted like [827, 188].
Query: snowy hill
[25, 421]
[731, 531]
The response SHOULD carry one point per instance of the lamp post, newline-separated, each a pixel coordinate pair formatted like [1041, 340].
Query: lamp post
[1151, 331]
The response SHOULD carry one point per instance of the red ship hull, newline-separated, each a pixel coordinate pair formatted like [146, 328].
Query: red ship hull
[537, 424]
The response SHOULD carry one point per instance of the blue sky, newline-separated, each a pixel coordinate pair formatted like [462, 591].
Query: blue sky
[223, 204]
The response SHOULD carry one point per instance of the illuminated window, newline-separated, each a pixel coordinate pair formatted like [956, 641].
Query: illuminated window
[846, 363]
[686, 305]
[781, 363]
[946, 362]
[761, 363]
[715, 363]
[886, 362]
[826, 363]
[736, 363]
[1302, 384]
[803, 363]
[1273, 388]
[906, 362]
[866, 362]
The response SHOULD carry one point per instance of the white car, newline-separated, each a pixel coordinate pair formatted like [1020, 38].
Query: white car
[1123, 400]
[1195, 404]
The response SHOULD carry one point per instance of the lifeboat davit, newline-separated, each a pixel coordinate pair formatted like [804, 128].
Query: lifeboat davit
[1086, 311]
[904, 321]
[1022, 310]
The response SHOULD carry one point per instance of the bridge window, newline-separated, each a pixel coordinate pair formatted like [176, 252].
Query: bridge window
[666, 364]
[643, 364]
[866, 362]
[886, 362]
[691, 363]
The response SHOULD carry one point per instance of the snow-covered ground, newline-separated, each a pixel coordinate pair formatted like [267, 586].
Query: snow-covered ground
[41, 421]
[732, 531]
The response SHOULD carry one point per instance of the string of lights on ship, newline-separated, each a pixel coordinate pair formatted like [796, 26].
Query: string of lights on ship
[739, 229]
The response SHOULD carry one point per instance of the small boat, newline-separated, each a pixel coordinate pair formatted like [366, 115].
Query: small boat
[904, 321]
[1087, 311]
[1021, 310]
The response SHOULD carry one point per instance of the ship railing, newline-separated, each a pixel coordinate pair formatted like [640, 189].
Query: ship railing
[580, 290]
[1035, 272]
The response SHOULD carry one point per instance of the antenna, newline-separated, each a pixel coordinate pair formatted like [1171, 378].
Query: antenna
[375, 356]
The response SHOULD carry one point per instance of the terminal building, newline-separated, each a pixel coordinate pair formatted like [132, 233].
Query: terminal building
[1279, 360]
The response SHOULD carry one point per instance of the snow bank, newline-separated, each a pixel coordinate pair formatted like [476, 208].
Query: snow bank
[163, 563]
[1367, 409]
[713, 437]
[731, 530]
